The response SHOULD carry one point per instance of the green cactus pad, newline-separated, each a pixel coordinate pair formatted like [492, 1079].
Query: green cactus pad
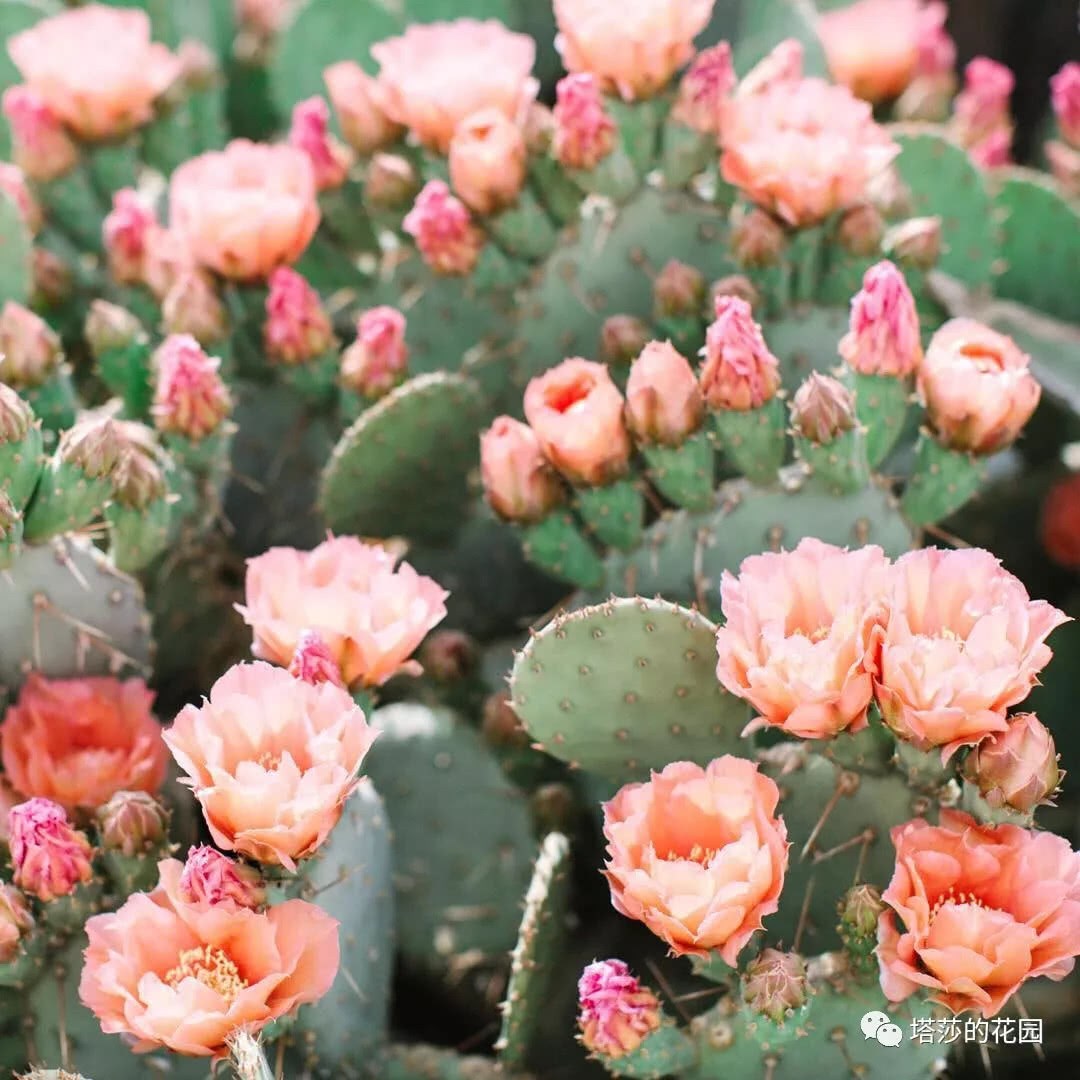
[684, 474]
[881, 404]
[54, 403]
[537, 952]
[614, 514]
[524, 230]
[15, 242]
[68, 611]
[838, 467]
[806, 339]
[754, 441]
[401, 469]
[462, 838]
[21, 464]
[625, 687]
[667, 1051]
[943, 481]
[557, 546]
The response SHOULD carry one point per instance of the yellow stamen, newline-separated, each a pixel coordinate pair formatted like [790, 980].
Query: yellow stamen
[210, 966]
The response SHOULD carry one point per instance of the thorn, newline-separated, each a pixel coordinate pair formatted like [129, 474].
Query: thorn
[846, 784]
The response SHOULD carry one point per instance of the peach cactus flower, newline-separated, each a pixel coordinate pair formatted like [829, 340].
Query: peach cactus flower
[803, 150]
[309, 132]
[271, 760]
[635, 47]
[96, 68]
[698, 855]
[435, 75]
[797, 630]
[962, 642]
[576, 412]
[519, 484]
[975, 911]
[884, 336]
[739, 373]
[487, 161]
[168, 973]
[51, 858]
[663, 400]
[79, 741]
[1065, 96]
[977, 387]
[40, 145]
[371, 612]
[360, 104]
[376, 361]
[245, 210]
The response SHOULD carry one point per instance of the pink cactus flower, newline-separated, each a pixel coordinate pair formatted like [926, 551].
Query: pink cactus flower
[1065, 95]
[190, 397]
[634, 48]
[584, 132]
[360, 104]
[705, 87]
[977, 910]
[40, 145]
[698, 855]
[739, 372]
[981, 109]
[377, 360]
[15, 922]
[209, 877]
[371, 613]
[443, 230]
[435, 75]
[576, 412]
[245, 210]
[29, 348]
[884, 335]
[961, 644]
[615, 1012]
[51, 858]
[1017, 767]
[13, 185]
[518, 482]
[313, 662]
[126, 232]
[663, 400]
[96, 68]
[297, 327]
[310, 133]
[488, 161]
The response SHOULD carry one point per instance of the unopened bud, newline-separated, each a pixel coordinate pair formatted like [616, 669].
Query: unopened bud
[29, 348]
[584, 133]
[737, 285]
[861, 229]
[679, 290]
[622, 337]
[539, 128]
[519, 484]
[757, 238]
[775, 984]
[822, 409]
[138, 480]
[297, 327]
[110, 327]
[192, 307]
[127, 232]
[390, 182]
[15, 416]
[50, 857]
[198, 65]
[13, 185]
[501, 726]
[41, 147]
[859, 910]
[916, 242]
[616, 1012]
[190, 397]
[1016, 768]
[888, 192]
[310, 133]
[443, 230]
[133, 823]
[448, 655]
[52, 278]
[15, 922]
[376, 361]
[739, 373]
[209, 877]
[93, 445]
[664, 404]
[487, 161]
[358, 100]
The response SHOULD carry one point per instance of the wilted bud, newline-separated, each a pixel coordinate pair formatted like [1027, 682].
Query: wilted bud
[209, 877]
[616, 1012]
[501, 726]
[310, 133]
[539, 128]
[739, 373]
[664, 404]
[553, 807]
[448, 655]
[15, 416]
[190, 397]
[41, 147]
[622, 337]
[127, 232]
[93, 445]
[138, 480]
[861, 229]
[192, 306]
[109, 327]
[376, 361]
[50, 857]
[1016, 768]
[757, 238]
[884, 335]
[13, 185]
[313, 662]
[584, 133]
[133, 823]
[359, 103]
[443, 230]
[679, 290]
[52, 278]
[15, 921]
[822, 409]
[775, 984]
[29, 348]
[487, 161]
[737, 285]
[390, 182]
[297, 327]
[705, 87]
[859, 910]
[519, 484]
[1059, 525]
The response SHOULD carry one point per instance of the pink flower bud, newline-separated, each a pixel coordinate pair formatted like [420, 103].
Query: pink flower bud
[198, 66]
[133, 823]
[50, 857]
[15, 416]
[861, 229]
[487, 161]
[126, 231]
[15, 921]
[360, 105]
[584, 133]
[622, 337]
[859, 910]
[29, 348]
[757, 238]
[376, 361]
[982, 107]
[937, 50]
[679, 290]
[705, 87]
[138, 480]
[538, 128]
[109, 326]
[916, 242]
[192, 306]
[576, 412]
[297, 327]
[94, 445]
[518, 482]
[739, 371]
[616, 1011]
[52, 278]
[1017, 767]
[783, 65]
[390, 182]
[448, 655]
[1065, 95]
[313, 662]
[995, 151]
[822, 409]
[775, 984]
[209, 877]
[310, 133]
[1059, 524]
[884, 335]
[1064, 163]
[190, 397]
[40, 145]
[13, 185]
[448, 240]
[663, 400]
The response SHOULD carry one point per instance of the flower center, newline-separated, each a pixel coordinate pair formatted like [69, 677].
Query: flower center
[697, 854]
[269, 759]
[562, 398]
[210, 966]
[985, 359]
[953, 897]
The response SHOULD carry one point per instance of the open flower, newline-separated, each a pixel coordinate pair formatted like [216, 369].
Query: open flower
[962, 642]
[79, 741]
[698, 855]
[976, 911]
[271, 760]
[797, 628]
[370, 612]
[168, 973]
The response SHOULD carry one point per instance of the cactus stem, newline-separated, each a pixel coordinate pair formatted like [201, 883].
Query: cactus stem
[866, 837]
[804, 915]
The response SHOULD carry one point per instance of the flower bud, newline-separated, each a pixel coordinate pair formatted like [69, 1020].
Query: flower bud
[1064, 163]
[678, 291]
[1016, 768]
[822, 409]
[1059, 525]
[501, 726]
[198, 66]
[297, 327]
[13, 185]
[50, 857]
[126, 232]
[739, 371]
[40, 145]
[444, 233]
[448, 655]
[584, 133]
[166, 257]
[358, 101]
[29, 348]
[487, 161]
[993, 152]
[390, 182]
[704, 88]
[553, 807]
[888, 192]
[775, 985]
[518, 482]
[663, 400]
[15, 416]
[94, 445]
[757, 238]
[622, 337]
[616, 1012]
[737, 285]
[109, 327]
[190, 397]
[139, 480]
[313, 662]
[192, 306]
[15, 922]
[539, 128]
[915, 243]
[1065, 97]
[884, 336]
[859, 909]
[209, 877]
[309, 133]
[52, 278]
[981, 109]
[133, 823]
[376, 361]
[10, 517]
[861, 229]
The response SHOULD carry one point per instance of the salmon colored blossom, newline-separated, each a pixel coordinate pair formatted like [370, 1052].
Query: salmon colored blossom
[487, 161]
[360, 105]
[271, 760]
[884, 335]
[739, 373]
[974, 911]
[797, 630]
[371, 612]
[79, 741]
[519, 484]
[961, 643]
[171, 974]
[698, 854]
[51, 859]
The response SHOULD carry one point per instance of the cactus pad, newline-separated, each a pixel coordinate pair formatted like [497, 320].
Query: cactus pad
[15, 275]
